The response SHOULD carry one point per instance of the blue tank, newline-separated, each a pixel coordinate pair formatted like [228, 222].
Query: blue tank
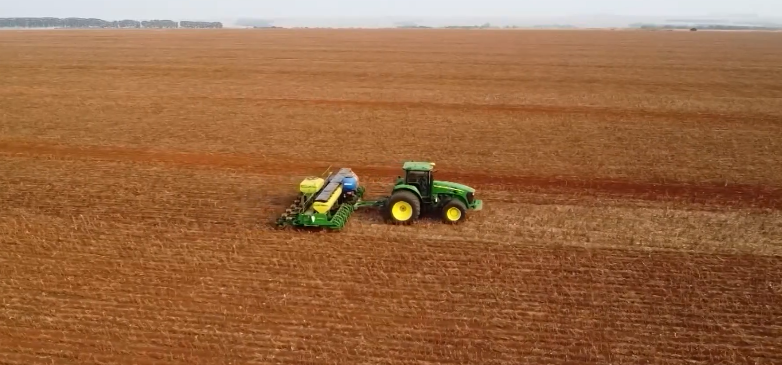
[350, 183]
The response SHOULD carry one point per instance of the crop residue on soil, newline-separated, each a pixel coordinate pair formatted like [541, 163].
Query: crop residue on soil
[632, 197]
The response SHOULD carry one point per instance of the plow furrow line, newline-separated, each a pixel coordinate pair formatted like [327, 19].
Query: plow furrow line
[743, 195]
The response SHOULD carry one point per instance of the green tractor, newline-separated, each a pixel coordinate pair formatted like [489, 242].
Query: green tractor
[329, 202]
[418, 193]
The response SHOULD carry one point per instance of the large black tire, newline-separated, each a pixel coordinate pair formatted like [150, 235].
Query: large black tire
[453, 212]
[403, 207]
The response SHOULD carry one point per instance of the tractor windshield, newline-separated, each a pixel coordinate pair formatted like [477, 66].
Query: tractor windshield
[421, 180]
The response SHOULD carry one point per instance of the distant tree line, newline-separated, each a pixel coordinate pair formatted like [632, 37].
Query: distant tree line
[159, 24]
[100, 23]
[187, 24]
[701, 26]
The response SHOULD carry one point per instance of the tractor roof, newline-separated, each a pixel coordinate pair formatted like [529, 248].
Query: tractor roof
[418, 166]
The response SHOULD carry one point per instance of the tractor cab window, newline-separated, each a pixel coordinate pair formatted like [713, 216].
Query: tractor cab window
[419, 179]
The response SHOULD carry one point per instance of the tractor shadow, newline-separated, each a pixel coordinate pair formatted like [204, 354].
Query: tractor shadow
[376, 216]
[369, 215]
[431, 217]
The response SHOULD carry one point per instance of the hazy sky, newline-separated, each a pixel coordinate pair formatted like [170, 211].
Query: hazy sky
[207, 9]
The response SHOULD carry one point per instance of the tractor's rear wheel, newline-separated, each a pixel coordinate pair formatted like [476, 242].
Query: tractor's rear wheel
[403, 207]
[454, 211]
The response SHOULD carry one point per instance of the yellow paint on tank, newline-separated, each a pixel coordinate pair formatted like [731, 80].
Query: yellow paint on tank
[311, 185]
[323, 207]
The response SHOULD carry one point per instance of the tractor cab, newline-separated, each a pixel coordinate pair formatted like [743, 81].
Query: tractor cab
[419, 174]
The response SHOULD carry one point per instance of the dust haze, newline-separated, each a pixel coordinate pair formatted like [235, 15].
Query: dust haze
[434, 13]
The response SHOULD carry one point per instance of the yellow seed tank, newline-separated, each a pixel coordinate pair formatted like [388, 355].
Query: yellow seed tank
[311, 185]
[323, 205]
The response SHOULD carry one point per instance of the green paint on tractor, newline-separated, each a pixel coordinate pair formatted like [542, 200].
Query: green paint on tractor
[329, 202]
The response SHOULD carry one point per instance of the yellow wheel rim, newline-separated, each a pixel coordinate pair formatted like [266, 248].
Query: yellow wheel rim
[453, 214]
[402, 211]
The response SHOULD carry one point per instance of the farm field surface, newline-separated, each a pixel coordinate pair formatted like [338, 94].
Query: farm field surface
[632, 184]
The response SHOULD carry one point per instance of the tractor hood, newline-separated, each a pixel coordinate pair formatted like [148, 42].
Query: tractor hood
[453, 186]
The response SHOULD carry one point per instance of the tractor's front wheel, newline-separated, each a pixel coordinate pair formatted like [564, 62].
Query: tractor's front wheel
[403, 207]
[454, 211]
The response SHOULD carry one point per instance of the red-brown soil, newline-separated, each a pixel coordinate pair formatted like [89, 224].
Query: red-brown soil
[631, 181]
[738, 195]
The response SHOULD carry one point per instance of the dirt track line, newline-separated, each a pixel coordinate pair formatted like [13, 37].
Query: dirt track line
[744, 118]
[738, 195]
[616, 112]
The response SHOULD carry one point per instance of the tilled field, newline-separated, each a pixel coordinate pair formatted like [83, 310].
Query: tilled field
[631, 182]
